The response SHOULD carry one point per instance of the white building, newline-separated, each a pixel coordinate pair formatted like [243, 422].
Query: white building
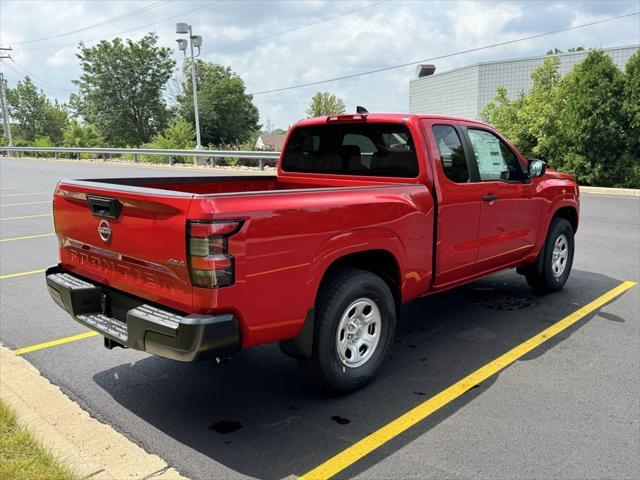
[465, 91]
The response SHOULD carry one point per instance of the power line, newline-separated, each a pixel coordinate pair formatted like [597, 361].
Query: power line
[49, 86]
[99, 24]
[49, 47]
[440, 57]
[299, 27]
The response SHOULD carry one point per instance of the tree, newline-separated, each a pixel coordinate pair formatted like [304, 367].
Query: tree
[227, 113]
[121, 89]
[631, 113]
[555, 51]
[502, 113]
[590, 121]
[325, 103]
[631, 103]
[34, 114]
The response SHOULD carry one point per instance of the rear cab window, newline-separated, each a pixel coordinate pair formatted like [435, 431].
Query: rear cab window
[376, 149]
[452, 156]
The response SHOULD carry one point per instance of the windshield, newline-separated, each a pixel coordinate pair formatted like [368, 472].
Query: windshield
[379, 149]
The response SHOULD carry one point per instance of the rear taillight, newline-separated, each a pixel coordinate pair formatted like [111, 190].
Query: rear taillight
[210, 263]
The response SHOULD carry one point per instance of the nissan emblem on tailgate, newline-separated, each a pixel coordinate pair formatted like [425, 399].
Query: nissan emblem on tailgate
[104, 230]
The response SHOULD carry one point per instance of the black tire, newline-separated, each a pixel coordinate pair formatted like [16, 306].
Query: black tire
[338, 292]
[542, 277]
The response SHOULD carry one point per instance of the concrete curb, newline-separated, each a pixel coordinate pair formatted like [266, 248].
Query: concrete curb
[632, 192]
[89, 448]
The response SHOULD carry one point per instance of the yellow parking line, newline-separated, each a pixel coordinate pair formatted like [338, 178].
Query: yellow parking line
[21, 194]
[24, 203]
[21, 274]
[357, 451]
[55, 343]
[28, 237]
[25, 216]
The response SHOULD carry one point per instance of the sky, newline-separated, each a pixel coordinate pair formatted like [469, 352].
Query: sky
[277, 44]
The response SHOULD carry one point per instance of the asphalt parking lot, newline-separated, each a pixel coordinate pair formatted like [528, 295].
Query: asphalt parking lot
[568, 409]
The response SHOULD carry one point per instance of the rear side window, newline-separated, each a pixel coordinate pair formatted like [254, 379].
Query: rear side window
[454, 161]
[379, 149]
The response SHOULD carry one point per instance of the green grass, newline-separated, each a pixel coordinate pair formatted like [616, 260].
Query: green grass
[21, 457]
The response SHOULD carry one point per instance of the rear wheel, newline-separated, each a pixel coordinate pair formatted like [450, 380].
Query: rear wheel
[557, 258]
[353, 330]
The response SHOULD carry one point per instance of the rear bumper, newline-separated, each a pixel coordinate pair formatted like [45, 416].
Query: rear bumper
[133, 323]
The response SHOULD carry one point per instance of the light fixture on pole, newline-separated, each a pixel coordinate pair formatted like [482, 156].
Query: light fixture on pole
[194, 41]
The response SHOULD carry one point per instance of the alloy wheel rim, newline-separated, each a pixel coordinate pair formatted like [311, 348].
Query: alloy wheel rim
[358, 332]
[560, 256]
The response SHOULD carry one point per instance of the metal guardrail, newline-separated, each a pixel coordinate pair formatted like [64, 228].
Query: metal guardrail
[169, 154]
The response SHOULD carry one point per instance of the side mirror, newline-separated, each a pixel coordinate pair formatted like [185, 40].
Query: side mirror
[536, 167]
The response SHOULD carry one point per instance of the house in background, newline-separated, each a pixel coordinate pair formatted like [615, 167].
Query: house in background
[272, 142]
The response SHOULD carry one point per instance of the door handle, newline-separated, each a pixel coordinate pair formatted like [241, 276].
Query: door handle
[104, 206]
[490, 198]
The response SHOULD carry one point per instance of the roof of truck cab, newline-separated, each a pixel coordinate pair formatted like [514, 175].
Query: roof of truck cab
[392, 118]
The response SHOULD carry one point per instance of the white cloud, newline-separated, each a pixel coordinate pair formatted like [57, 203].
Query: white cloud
[477, 23]
[62, 58]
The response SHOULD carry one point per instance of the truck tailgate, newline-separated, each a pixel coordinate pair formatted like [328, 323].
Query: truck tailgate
[133, 241]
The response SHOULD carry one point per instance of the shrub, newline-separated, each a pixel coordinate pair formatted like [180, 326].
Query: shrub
[179, 135]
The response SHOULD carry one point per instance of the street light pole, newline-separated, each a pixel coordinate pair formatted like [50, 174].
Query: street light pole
[194, 41]
[195, 92]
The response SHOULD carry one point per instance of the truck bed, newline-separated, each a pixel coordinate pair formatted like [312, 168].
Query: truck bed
[217, 185]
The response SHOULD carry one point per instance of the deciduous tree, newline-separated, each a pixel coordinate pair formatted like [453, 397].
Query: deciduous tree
[227, 113]
[325, 103]
[591, 124]
[121, 89]
[34, 114]
[631, 113]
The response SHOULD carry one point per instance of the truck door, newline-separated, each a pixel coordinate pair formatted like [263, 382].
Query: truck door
[510, 212]
[459, 202]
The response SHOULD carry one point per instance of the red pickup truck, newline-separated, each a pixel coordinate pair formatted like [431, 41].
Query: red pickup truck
[366, 212]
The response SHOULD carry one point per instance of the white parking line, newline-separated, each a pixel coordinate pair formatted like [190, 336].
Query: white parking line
[24, 203]
[25, 216]
[22, 194]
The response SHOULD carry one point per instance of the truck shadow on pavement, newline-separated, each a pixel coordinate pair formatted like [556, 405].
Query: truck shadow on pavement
[258, 416]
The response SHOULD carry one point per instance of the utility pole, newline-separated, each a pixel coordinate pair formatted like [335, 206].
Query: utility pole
[3, 102]
[194, 41]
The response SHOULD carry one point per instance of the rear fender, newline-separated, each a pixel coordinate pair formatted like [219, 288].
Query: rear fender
[329, 252]
[355, 241]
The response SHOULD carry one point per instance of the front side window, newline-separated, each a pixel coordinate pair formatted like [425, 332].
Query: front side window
[495, 160]
[454, 161]
[377, 149]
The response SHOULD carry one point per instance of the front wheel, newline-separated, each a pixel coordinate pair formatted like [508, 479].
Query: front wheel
[557, 258]
[354, 328]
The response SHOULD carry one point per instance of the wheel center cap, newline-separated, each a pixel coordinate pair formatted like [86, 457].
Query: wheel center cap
[355, 330]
